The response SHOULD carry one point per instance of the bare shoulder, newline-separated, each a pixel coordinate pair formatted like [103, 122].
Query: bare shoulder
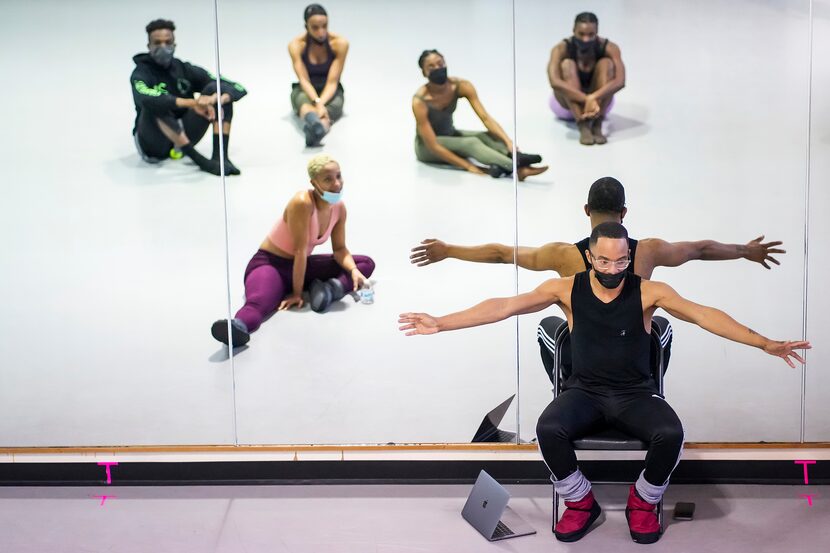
[656, 289]
[559, 287]
[650, 244]
[338, 43]
[613, 49]
[297, 43]
[558, 48]
[301, 201]
[463, 86]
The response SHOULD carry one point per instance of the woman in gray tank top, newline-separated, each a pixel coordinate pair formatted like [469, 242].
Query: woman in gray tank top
[438, 141]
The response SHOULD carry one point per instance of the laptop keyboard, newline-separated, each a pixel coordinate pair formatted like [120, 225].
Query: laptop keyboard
[502, 530]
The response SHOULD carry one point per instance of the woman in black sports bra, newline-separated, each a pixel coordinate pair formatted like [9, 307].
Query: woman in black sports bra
[318, 57]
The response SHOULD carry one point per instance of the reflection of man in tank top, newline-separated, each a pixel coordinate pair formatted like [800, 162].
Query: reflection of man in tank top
[585, 71]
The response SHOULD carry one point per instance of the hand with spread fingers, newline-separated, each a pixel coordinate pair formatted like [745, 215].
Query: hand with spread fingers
[761, 252]
[784, 350]
[429, 251]
[290, 302]
[417, 323]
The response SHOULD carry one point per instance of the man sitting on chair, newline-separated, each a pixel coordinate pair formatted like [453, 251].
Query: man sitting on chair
[609, 313]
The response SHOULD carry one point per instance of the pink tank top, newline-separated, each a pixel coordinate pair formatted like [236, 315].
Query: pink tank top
[281, 237]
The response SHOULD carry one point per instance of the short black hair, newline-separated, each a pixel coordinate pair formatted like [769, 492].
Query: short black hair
[424, 55]
[607, 230]
[313, 9]
[586, 17]
[157, 24]
[607, 195]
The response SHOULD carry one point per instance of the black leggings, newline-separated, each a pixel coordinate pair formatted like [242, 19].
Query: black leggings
[641, 412]
[152, 142]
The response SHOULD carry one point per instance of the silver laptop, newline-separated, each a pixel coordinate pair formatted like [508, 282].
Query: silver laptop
[487, 511]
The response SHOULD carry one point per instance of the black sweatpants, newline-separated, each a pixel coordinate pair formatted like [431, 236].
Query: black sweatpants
[641, 412]
[152, 142]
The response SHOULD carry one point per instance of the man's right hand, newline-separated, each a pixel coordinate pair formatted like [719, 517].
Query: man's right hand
[430, 251]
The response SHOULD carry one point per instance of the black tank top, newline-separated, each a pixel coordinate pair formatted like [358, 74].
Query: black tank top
[597, 53]
[318, 73]
[441, 120]
[582, 245]
[609, 345]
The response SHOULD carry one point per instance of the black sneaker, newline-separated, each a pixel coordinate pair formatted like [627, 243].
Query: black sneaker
[240, 334]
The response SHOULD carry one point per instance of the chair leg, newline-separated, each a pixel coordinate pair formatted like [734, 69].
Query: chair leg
[555, 510]
[660, 515]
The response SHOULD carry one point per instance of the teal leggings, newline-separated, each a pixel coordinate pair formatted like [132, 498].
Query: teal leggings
[479, 146]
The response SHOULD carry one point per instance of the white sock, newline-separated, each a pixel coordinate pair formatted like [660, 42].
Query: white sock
[573, 488]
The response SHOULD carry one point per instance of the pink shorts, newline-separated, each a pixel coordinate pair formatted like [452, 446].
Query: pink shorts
[564, 113]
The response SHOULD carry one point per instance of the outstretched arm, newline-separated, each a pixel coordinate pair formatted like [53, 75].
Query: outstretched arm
[467, 90]
[668, 254]
[486, 312]
[717, 322]
[549, 257]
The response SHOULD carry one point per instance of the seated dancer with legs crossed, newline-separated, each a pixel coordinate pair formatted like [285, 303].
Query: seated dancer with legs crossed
[609, 312]
[169, 119]
[283, 267]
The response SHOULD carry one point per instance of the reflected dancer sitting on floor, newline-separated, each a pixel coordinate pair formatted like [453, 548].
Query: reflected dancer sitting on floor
[283, 267]
[585, 71]
[169, 119]
[318, 57]
[438, 141]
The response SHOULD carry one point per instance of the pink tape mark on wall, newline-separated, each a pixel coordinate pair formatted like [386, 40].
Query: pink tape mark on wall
[109, 475]
[809, 498]
[104, 498]
[805, 463]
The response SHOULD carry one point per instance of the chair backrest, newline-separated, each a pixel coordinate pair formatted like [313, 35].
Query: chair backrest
[563, 334]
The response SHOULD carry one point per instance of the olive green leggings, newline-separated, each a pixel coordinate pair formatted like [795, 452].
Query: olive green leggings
[480, 146]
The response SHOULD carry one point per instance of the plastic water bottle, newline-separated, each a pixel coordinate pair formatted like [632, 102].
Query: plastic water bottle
[367, 293]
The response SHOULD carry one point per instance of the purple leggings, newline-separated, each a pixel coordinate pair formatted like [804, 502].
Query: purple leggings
[269, 279]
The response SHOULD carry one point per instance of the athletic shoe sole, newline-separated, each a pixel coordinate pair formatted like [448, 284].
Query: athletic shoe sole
[219, 330]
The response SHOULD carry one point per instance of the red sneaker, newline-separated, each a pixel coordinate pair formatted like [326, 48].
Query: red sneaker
[577, 518]
[642, 518]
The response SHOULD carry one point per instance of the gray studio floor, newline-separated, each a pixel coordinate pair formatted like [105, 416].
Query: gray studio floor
[386, 519]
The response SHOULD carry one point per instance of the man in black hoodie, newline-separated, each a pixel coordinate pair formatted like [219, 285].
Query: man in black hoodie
[169, 120]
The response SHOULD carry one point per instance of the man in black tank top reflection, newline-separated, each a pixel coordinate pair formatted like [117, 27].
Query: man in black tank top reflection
[609, 312]
[318, 57]
[585, 71]
[606, 203]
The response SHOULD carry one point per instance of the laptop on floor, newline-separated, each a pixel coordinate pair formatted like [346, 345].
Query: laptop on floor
[487, 511]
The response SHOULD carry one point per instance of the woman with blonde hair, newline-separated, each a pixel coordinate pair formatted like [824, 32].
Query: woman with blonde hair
[283, 267]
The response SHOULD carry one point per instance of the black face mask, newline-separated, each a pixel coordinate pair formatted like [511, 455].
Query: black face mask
[584, 46]
[163, 55]
[438, 76]
[319, 41]
[609, 281]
